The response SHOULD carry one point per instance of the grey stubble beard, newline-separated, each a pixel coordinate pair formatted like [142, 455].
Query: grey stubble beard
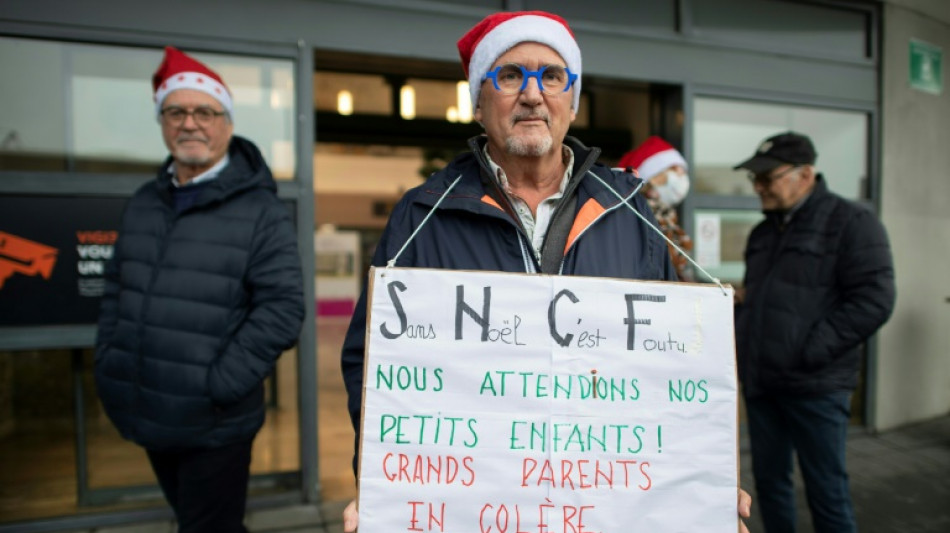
[520, 146]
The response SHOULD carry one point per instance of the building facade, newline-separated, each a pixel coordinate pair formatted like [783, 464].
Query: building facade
[354, 101]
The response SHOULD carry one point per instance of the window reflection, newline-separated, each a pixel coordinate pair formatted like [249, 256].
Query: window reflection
[435, 97]
[367, 94]
[726, 132]
[347, 93]
[87, 108]
[720, 236]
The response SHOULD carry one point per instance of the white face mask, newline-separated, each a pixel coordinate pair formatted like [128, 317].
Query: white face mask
[674, 190]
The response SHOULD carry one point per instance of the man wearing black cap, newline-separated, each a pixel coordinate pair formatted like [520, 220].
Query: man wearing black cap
[819, 281]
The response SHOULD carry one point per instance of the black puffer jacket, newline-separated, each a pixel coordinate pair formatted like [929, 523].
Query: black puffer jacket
[814, 291]
[197, 308]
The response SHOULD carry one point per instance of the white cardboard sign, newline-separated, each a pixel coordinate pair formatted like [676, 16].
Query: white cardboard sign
[511, 403]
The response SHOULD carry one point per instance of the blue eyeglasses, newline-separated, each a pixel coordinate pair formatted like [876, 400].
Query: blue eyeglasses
[512, 78]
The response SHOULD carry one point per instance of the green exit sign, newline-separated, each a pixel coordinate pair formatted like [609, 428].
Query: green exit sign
[926, 67]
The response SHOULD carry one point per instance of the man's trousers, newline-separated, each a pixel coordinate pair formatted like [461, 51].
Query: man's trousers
[816, 429]
[207, 487]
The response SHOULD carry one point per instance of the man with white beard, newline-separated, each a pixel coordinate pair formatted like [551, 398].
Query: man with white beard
[526, 198]
[203, 293]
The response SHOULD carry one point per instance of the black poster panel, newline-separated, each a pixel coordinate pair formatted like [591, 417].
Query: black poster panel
[53, 252]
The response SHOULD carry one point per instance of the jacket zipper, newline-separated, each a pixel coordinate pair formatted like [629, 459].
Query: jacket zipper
[531, 262]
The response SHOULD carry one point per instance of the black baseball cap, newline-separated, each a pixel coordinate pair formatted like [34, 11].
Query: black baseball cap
[784, 148]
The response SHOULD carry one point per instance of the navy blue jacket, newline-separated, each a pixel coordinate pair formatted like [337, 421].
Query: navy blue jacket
[471, 230]
[197, 308]
[815, 289]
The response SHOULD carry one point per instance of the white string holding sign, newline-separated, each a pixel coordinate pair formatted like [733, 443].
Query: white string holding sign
[392, 262]
[658, 230]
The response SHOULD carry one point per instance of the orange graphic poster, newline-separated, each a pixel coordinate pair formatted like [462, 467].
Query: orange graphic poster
[22, 256]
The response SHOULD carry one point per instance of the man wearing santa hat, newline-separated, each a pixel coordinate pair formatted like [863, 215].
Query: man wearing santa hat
[526, 197]
[203, 293]
[663, 169]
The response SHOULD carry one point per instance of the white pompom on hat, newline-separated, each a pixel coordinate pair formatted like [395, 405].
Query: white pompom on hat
[181, 71]
[499, 32]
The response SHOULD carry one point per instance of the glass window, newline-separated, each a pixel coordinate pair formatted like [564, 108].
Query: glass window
[719, 238]
[37, 441]
[88, 108]
[726, 132]
[438, 99]
[372, 169]
[368, 94]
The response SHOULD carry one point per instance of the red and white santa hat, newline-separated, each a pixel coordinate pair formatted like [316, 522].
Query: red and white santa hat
[653, 156]
[497, 33]
[181, 71]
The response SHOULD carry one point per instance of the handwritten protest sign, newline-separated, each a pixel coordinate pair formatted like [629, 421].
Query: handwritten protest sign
[510, 403]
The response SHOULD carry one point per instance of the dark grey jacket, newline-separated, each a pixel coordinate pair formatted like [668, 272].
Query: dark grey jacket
[815, 289]
[474, 229]
[198, 306]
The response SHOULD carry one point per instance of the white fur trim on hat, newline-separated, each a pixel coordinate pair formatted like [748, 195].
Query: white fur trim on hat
[659, 162]
[526, 28]
[196, 81]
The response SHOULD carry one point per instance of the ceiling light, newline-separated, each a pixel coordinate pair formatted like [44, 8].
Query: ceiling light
[407, 102]
[464, 100]
[344, 102]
